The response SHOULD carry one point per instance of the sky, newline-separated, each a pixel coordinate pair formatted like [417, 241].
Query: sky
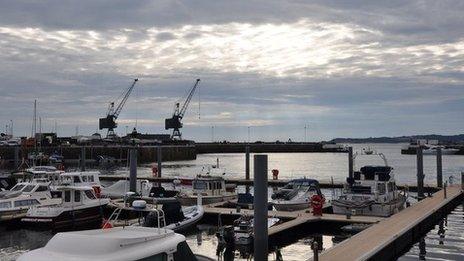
[267, 68]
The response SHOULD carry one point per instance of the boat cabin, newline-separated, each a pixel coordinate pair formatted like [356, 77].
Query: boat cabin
[87, 178]
[377, 181]
[20, 195]
[76, 195]
[209, 186]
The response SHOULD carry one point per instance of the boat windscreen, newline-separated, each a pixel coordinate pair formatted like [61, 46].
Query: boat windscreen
[199, 185]
[28, 188]
[18, 187]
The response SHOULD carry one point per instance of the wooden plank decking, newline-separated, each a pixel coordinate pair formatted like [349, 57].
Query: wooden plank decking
[369, 242]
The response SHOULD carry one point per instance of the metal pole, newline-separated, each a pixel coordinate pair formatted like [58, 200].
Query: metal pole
[16, 157]
[247, 167]
[420, 173]
[260, 208]
[439, 169]
[133, 170]
[315, 248]
[462, 180]
[444, 189]
[350, 162]
[159, 155]
[82, 158]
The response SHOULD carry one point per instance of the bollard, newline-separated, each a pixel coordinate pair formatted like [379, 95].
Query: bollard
[420, 173]
[133, 170]
[247, 167]
[315, 248]
[260, 208]
[350, 162]
[439, 168]
[82, 158]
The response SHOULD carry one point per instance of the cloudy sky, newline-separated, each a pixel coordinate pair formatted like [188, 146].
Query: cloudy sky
[343, 68]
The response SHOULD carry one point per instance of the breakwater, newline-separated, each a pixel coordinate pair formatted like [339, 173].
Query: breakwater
[264, 147]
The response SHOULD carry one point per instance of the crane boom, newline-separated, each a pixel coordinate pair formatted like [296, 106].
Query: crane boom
[124, 99]
[188, 99]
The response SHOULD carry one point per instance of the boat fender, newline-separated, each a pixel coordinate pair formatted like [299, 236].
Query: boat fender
[154, 171]
[106, 224]
[139, 204]
[97, 191]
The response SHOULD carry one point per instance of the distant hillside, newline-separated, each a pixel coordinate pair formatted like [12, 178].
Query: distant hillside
[441, 138]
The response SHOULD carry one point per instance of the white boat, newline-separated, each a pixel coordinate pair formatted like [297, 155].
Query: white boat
[79, 209]
[368, 151]
[15, 203]
[296, 195]
[211, 188]
[115, 244]
[243, 229]
[432, 150]
[43, 173]
[176, 218]
[371, 192]
[120, 188]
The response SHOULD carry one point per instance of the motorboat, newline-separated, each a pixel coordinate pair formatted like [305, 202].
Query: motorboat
[15, 203]
[371, 192]
[296, 195]
[140, 213]
[82, 179]
[115, 244]
[79, 209]
[432, 150]
[212, 189]
[243, 229]
[368, 151]
[121, 187]
[43, 173]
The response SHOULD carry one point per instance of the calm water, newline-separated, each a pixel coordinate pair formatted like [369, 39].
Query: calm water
[322, 166]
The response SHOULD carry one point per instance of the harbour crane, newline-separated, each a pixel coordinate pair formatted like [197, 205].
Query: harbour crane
[175, 122]
[109, 122]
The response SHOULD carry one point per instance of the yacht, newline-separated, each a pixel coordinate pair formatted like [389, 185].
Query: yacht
[212, 189]
[15, 203]
[116, 244]
[296, 195]
[371, 192]
[79, 209]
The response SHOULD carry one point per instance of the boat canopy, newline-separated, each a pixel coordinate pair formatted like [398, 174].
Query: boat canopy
[383, 172]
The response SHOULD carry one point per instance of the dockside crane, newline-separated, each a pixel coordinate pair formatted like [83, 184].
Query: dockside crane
[175, 122]
[109, 122]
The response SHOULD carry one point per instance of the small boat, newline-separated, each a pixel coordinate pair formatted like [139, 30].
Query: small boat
[79, 209]
[368, 151]
[44, 173]
[56, 158]
[146, 214]
[128, 243]
[211, 188]
[371, 192]
[296, 195]
[243, 229]
[15, 203]
[82, 179]
[432, 150]
[120, 188]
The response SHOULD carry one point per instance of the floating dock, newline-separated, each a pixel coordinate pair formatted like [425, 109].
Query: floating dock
[390, 237]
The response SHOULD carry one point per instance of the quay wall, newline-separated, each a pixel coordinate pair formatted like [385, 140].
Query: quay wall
[264, 147]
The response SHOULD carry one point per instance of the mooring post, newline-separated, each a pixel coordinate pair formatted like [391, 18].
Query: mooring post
[133, 170]
[315, 248]
[439, 169]
[260, 208]
[350, 162]
[82, 158]
[420, 173]
[444, 189]
[462, 180]
[159, 155]
[247, 167]
[16, 157]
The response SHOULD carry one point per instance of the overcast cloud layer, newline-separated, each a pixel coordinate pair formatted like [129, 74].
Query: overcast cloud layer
[346, 70]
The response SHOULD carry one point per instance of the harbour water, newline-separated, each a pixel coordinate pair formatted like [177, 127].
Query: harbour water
[321, 166]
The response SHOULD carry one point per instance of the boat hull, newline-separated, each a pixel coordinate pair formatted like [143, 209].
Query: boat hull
[192, 200]
[87, 218]
[374, 209]
[284, 206]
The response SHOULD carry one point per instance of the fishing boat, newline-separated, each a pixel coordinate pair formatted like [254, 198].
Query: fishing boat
[212, 189]
[243, 229]
[371, 192]
[296, 195]
[115, 244]
[15, 203]
[79, 209]
[140, 213]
